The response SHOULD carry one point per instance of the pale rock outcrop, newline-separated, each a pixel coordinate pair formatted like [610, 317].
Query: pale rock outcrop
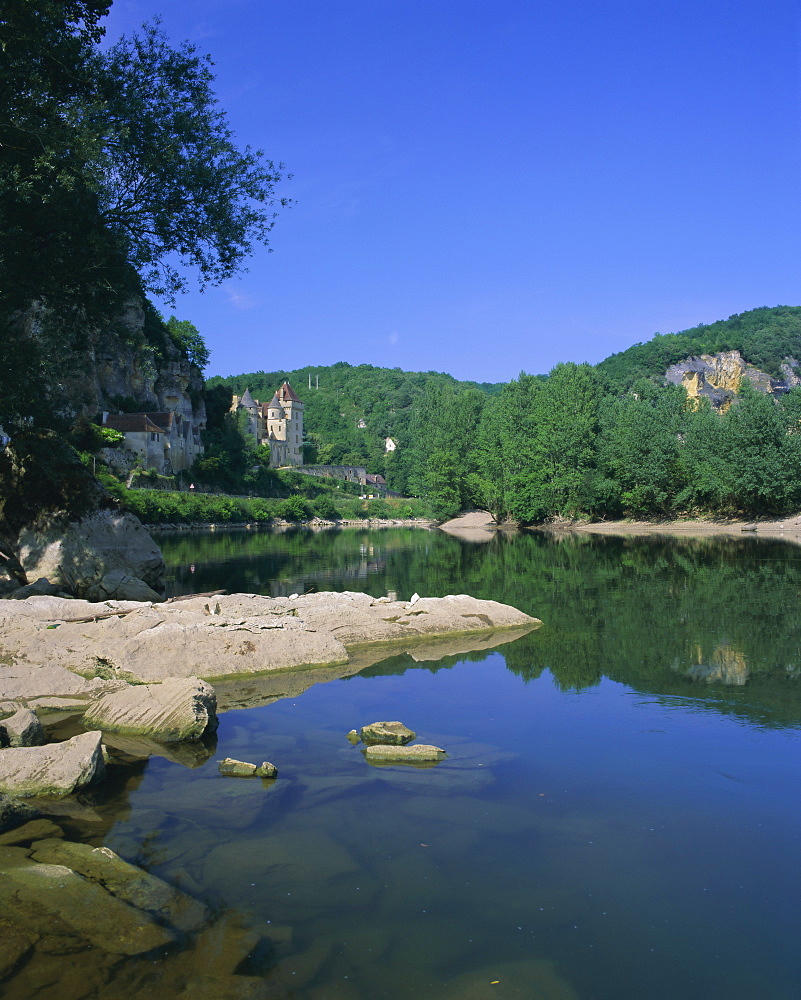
[78, 554]
[420, 753]
[78, 905]
[181, 709]
[54, 770]
[123, 880]
[47, 641]
[22, 729]
[389, 733]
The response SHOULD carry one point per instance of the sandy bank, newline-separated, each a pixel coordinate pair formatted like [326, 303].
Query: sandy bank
[788, 528]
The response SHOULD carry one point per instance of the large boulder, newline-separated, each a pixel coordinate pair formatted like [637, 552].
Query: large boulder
[181, 709]
[77, 555]
[54, 770]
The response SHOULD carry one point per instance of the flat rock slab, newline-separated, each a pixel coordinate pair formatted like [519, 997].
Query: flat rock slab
[421, 753]
[54, 770]
[56, 647]
[181, 709]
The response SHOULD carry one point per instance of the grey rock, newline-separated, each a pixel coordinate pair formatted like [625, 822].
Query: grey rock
[236, 768]
[54, 770]
[124, 881]
[22, 729]
[180, 709]
[39, 588]
[421, 753]
[266, 770]
[353, 736]
[76, 555]
[394, 733]
[120, 586]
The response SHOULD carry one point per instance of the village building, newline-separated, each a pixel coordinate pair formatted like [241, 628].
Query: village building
[165, 441]
[277, 425]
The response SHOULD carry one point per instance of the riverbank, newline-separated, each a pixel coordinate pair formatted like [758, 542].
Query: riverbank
[786, 527]
[316, 524]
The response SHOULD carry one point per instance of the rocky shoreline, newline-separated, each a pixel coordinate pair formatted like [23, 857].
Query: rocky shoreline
[141, 669]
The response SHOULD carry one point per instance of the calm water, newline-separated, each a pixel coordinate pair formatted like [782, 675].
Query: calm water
[618, 817]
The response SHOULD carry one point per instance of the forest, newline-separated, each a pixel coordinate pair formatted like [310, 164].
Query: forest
[606, 441]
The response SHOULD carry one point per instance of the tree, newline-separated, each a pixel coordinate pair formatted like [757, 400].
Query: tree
[188, 338]
[117, 172]
[170, 179]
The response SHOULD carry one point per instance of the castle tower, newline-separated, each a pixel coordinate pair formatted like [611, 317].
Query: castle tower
[284, 428]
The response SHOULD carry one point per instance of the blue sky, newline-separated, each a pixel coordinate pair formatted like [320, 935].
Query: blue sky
[488, 186]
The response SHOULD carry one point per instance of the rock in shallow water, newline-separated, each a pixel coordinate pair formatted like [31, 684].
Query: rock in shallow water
[22, 729]
[54, 770]
[421, 753]
[394, 733]
[124, 881]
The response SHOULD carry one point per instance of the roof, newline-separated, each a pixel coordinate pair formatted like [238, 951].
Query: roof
[287, 392]
[130, 423]
[247, 400]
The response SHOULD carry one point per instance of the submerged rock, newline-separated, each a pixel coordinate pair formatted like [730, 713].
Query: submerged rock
[36, 829]
[124, 881]
[180, 709]
[421, 753]
[22, 729]
[75, 906]
[394, 733]
[54, 770]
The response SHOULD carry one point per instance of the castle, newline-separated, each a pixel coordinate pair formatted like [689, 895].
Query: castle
[277, 424]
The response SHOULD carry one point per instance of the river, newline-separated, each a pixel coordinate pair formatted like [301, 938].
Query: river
[617, 819]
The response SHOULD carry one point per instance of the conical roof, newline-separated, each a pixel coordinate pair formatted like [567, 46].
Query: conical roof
[247, 400]
[287, 392]
[275, 401]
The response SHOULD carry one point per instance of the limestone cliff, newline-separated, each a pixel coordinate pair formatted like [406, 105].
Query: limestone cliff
[718, 377]
[128, 362]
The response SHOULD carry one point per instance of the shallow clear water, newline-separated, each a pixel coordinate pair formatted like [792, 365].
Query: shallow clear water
[618, 816]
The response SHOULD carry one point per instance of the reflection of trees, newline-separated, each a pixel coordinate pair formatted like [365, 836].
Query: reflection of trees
[712, 618]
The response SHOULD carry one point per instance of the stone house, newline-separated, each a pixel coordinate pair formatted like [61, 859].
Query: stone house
[165, 441]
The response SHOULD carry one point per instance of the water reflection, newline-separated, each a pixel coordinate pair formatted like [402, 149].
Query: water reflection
[715, 618]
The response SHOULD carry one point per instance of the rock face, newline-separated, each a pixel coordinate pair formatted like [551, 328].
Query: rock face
[86, 556]
[389, 733]
[717, 377]
[22, 729]
[219, 637]
[55, 770]
[14, 813]
[180, 709]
